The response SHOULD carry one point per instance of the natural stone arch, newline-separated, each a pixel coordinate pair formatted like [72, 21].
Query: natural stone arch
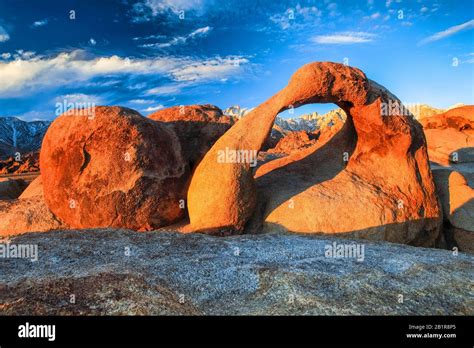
[223, 195]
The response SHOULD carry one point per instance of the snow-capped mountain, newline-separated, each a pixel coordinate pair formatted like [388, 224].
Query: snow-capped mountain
[308, 122]
[236, 111]
[311, 122]
[17, 135]
[302, 123]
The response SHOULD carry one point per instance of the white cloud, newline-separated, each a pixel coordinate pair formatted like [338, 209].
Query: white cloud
[297, 16]
[332, 8]
[344, 38]
[449, 32]
[154, 108]
[375, 15]
[5, 55]
[164, 90]
[40, 23]
[201, 32]
[148, 9]
[92, 42]
[22, 54]
[79, 98]
[157, 37]
[77, 67]
[424, 9]
[3, 35]
[141, 101]
[215, 68]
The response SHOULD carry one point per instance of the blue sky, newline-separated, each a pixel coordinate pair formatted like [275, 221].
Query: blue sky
[150, 54]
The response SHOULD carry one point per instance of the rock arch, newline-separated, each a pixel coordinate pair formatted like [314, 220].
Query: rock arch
[387, 155]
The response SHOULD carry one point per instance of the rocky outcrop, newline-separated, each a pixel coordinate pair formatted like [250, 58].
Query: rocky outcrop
[450, 136]
[373, 180]
[197, 126]
[295, 141]
[457, 199]
[119, 272]
[27, 215]
[26, 164]
[110, 166]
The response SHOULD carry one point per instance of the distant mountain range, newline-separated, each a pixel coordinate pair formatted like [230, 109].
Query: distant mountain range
[307, 122]
[20, 136]
[314, 121]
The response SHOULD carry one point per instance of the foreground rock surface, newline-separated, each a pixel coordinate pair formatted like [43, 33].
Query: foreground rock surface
[273, 274]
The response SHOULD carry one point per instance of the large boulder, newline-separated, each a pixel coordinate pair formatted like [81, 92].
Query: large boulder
[110, 166]
[373, 180]
[268, 274]
[197, 126]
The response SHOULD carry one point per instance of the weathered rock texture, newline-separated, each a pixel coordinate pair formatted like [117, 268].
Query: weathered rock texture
[374, 179]
[35, 188]
[457, 199]
[450, 136]
[111, 166]
[197, 126]
[272, 274]
[27, 215]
